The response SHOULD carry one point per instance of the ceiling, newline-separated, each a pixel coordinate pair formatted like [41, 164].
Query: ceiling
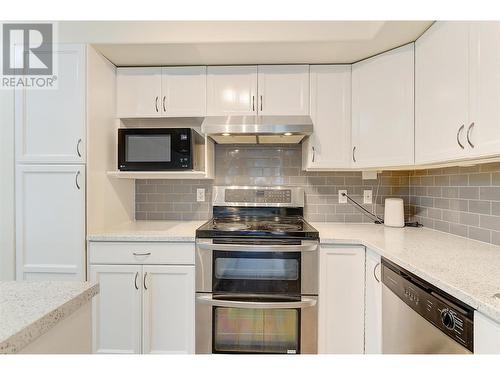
[146, 43]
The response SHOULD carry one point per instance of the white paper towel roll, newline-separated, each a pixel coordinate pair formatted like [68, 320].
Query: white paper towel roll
[394, 215]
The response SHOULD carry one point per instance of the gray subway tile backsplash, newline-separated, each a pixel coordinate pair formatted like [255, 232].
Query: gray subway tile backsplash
[464, 201]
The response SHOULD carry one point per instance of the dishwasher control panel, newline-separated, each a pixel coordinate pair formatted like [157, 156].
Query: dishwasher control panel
[452, 317]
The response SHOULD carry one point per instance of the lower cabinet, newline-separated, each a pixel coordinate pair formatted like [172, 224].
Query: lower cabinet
[373, 303]
[341, 300]
[144, 309]
[486, 335]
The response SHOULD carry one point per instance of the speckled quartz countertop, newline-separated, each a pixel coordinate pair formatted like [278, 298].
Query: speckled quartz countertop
[157, 230]
[468, 270]
[28, 309]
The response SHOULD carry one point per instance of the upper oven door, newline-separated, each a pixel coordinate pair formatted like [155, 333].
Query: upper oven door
[155, 149]
[257, 266]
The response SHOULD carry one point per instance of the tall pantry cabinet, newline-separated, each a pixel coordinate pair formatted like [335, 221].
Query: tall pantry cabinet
[50, 132]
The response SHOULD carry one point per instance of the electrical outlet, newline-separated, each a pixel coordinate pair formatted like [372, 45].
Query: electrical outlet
[367, 197]
[342, 198]
[200, 195]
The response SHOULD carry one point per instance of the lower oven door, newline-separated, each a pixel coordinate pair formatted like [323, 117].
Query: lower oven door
[256, 324]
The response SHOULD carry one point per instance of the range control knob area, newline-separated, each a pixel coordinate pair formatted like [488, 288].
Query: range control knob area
[448, 319]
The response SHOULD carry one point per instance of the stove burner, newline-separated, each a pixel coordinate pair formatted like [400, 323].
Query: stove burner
[231, 226]
[280, 227]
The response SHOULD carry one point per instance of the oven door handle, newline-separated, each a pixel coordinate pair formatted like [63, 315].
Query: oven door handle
[208, 244]
[304, 303]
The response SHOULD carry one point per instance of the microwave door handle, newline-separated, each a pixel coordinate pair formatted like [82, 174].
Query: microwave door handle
[203, 244]
[208, 300]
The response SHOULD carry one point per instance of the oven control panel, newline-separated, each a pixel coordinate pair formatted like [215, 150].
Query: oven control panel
[258, 196]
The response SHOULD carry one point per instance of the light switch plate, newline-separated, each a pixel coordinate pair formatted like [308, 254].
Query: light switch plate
[367, 197]
[342, 199]
[200, 195]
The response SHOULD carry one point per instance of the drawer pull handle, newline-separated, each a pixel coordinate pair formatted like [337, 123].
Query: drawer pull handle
[141, 254]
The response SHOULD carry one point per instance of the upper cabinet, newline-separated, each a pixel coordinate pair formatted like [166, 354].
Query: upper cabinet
[329, 145]
[441, 90]
[50, 123]
[483, 131]
[283, 89]
[161, 92]
[382, 110]
[231, 90]
[251, 90]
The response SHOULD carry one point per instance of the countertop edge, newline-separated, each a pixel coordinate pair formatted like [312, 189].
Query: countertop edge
[34, 330]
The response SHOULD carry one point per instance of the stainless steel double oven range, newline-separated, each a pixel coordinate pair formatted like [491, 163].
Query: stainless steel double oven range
[257, 273]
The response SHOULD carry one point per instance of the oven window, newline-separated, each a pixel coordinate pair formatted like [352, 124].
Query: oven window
[256, 272]
[256, 269]
[239, 330]
[148, 148]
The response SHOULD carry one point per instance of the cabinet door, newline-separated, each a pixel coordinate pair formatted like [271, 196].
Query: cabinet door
[184, 91]
[231, 90]
[486, 335]
[283, 90]
[382, 109]
[50, 222]
[138, 92]
[116, 310]
[341, 300]
[329, 145]
[441, 90]
[50, 123]
[168, 309]
[482, 129]
[373, 304]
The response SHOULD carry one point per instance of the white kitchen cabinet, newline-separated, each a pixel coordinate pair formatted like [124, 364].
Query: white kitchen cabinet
[184, 91]
[168, 309]
[341, 295]
[283, 90]
[486, 335]
[373, 304]
[441, 93]
[50, 123]
[382, 109]
[138, 92]
[154, 283]
[482, 132]
[116, 310]
[231, 90]
[330, 144]
[50, 222]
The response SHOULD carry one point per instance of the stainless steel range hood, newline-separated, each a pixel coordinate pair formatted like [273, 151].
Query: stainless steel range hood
[257, 129]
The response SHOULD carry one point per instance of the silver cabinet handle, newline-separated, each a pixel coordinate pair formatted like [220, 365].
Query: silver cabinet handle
[253, 103]
[261, 103]
[314, 154]
[354, 154]
[305, 302]
[141, 254]
[375, 272]
[468, 135]
[208, 244]
[458, 136]
[77, 177]
[78, 148]
[156, 104]
[135, 280]
[164, 105]
[145, 275]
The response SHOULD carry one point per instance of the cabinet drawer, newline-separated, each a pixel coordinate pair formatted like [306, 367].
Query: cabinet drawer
[141, 252]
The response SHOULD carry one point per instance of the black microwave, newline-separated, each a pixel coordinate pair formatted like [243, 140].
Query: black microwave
[157, 149]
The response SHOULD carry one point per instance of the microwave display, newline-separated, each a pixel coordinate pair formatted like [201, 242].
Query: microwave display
[158, 149]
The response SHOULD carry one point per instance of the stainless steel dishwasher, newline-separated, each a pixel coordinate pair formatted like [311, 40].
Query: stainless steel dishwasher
[418, 318]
